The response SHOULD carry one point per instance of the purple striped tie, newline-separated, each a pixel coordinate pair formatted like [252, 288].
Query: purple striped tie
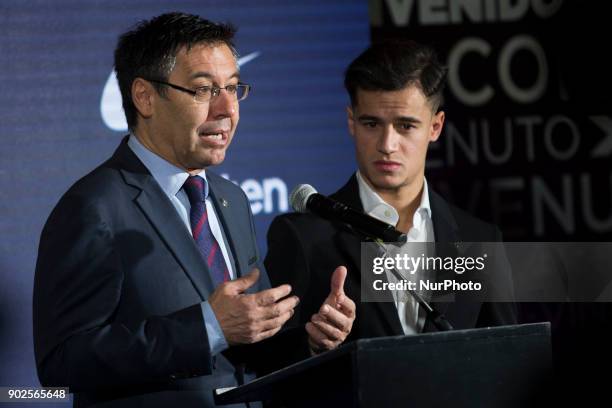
[197, 191]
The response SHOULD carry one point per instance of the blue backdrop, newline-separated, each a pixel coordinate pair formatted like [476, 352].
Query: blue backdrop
[60, 116]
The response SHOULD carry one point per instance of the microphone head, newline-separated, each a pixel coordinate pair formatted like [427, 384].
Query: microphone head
[299, 197]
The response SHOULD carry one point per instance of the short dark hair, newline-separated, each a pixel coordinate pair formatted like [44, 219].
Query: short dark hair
[393, 65]
[149, 50]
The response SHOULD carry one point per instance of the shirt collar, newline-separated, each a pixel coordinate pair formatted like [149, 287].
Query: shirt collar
[376, 207]
[169, 177]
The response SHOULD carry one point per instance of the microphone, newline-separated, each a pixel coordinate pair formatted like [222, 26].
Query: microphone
[304, 198]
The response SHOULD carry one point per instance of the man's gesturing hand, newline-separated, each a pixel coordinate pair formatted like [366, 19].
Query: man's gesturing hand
[329, 327]
[249, 318]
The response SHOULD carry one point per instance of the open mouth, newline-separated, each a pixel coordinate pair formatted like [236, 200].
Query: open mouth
[216, 137]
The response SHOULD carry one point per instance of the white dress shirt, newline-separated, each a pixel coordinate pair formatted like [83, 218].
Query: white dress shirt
[421, 231]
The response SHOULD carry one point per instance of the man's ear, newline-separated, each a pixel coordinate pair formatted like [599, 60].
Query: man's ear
[142, 97]
[350, 120]
[437, 123]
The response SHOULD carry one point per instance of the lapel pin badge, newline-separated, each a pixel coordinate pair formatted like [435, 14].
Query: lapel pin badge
[224, 202]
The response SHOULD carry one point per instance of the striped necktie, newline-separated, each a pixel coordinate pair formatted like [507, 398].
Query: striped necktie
[197, 191]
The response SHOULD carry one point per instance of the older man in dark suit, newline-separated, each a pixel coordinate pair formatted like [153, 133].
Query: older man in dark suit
[149, 283]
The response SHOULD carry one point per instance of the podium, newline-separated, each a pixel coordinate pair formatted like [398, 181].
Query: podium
[507, 366]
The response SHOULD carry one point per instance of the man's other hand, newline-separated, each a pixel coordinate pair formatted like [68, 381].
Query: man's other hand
[329, 327]
[249, 318]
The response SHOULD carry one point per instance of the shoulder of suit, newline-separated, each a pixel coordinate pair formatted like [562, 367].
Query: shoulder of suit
[307, 225]
[227, 185]
[215, 178]
[299, 218]
[103, 181]
[473, 228]
[98, 192]
[470, 228]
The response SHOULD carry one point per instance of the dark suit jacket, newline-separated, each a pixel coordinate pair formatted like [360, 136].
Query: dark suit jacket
[118, 287]
[303, 250]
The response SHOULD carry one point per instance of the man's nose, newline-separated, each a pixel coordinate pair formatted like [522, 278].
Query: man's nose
[223, 105]
[388, 140]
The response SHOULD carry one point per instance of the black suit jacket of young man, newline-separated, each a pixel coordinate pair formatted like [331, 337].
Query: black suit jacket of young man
[304, 250]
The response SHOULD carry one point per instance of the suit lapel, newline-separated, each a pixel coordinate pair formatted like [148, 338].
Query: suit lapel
[449, 244]
[162, 215]
[226, 208]
[350, 245]
[445, 232]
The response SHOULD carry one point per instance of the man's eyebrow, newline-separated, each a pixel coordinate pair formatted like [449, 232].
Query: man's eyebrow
[409, 119]
[203, 74]
[368, 117]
